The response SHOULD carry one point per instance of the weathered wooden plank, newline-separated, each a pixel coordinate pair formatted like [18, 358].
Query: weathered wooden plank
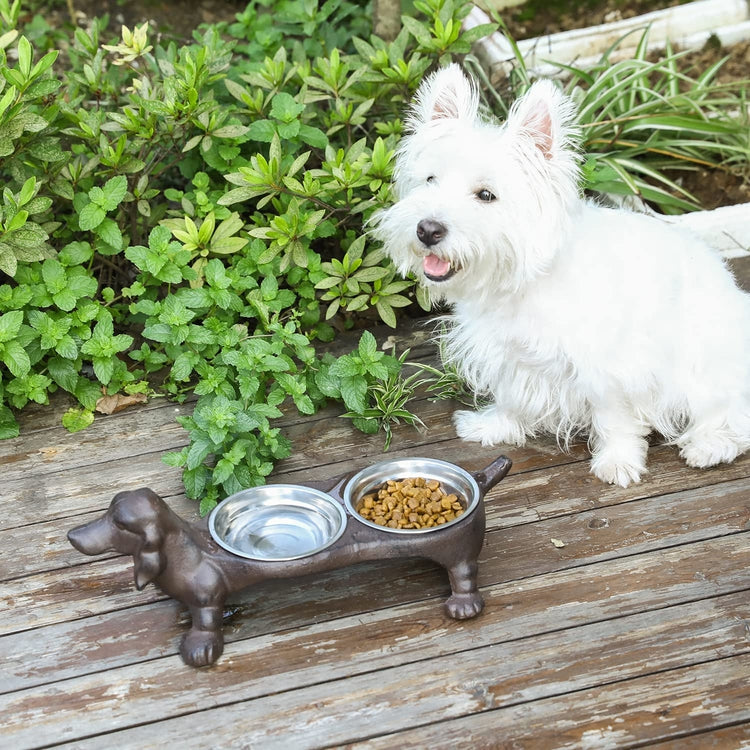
[520, 552]
[265, 708]
[45, 417]
[566, 489]
[85, 489]
[126, 435]
[534, 606]
[523, 497]
[68, 491]
[683, 702]
[736, 737]
[30, 602]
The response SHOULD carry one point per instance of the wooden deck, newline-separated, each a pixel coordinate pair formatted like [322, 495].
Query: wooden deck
[614, 617]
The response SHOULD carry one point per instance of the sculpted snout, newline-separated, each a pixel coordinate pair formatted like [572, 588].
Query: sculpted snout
[92, 538]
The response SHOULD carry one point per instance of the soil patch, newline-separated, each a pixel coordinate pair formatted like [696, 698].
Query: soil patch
[716, 187]
[172, 18]
[541, 17]
[736, 68]
[722, 186]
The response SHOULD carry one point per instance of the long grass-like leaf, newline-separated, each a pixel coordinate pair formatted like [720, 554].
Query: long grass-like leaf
[638, 118]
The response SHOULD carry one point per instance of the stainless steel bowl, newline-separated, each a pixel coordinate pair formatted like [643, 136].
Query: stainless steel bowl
[277, 522]
[452, 478]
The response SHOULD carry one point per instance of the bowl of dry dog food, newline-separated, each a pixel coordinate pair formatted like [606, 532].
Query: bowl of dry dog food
[411, 495]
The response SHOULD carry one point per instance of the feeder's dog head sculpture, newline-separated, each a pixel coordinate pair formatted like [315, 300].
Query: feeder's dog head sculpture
[169, 552]
[135, 524]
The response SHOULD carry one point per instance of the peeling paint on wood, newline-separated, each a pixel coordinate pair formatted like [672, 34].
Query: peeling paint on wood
[636, 631]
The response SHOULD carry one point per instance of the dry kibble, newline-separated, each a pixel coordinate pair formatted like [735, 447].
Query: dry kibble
[411, 503]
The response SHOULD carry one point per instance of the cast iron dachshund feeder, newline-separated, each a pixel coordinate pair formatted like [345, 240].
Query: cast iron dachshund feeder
[286, 530]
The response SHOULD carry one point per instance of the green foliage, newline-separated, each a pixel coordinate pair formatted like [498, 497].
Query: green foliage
[640, 118]
[374, 389]
[190, 219]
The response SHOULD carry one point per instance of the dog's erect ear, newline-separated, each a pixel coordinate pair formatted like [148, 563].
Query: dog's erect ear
[543, 116]
[445, 95]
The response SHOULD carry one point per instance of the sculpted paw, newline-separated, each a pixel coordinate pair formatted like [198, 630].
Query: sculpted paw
[199, 648]
[464, 606]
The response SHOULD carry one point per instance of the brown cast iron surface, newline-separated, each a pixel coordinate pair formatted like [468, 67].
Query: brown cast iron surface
[186, 563]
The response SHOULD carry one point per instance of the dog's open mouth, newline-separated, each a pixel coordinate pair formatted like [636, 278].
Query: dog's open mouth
[437, 269]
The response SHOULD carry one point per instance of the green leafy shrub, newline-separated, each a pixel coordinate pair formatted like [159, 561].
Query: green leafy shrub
[189, 221]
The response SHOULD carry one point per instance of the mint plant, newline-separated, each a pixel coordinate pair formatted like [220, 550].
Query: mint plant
[189, 220]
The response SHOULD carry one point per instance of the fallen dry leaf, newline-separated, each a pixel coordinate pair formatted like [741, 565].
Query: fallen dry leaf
[557, 542]
[119, 401]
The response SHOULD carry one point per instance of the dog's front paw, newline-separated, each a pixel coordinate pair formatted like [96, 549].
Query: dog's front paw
[488, 427]
[199, 648]
[463, 606]
[617, 469]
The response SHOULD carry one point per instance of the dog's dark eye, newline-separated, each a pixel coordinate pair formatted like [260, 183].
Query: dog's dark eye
[431, 178]
[486, 196]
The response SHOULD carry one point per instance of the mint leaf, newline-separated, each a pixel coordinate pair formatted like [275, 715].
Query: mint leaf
[15, 358]
[260, 130]
[75, 254]
[109, 232]
[113, 192]
[63, 372]
[354, 392]
[8, 424]
[103, 369]
[10, 324]
[285, 108]
[75, 420]
[90, 216]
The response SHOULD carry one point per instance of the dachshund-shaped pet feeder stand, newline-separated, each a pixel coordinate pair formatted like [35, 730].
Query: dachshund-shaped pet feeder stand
[201, 564]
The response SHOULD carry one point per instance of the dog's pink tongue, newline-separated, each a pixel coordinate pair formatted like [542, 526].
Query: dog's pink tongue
[435, 266]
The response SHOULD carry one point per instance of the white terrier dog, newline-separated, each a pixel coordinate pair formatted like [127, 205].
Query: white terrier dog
[571, 316]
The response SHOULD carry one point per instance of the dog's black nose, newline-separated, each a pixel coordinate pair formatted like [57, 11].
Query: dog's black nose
[430, 232]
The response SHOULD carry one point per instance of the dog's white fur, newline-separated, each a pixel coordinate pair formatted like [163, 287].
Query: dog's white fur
[571, 316]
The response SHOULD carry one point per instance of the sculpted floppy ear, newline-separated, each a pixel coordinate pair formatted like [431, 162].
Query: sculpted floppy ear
[447, 94]
[543, 117]
[149, 560]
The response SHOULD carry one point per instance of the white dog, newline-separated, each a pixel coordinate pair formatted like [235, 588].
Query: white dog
[571, 316]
